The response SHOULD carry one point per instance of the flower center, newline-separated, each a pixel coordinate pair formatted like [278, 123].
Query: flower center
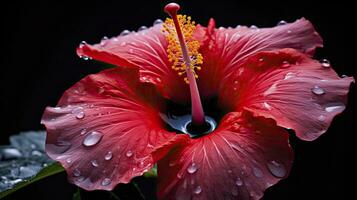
[183, 53]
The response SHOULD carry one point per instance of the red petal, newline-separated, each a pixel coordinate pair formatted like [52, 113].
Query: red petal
[228, 48]
[104, 132]
[293, 89]
[242, 158]
[145, 49]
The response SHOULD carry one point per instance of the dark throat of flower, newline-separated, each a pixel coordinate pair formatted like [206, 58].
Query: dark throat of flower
[183, 53]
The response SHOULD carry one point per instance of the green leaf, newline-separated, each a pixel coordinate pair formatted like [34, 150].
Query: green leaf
[152, 173]
[77, 195]
[50, 170]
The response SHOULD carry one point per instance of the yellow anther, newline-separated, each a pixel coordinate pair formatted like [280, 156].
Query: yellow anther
[174, 52]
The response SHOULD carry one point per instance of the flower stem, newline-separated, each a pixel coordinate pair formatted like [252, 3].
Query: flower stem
[198, 117]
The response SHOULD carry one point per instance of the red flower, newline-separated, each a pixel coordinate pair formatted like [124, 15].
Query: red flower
[107, 129]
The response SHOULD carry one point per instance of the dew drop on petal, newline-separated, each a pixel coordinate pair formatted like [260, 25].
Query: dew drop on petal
[172, 163]
[321, 118]
[179, 175]
[106, 182]
[68, 160]
[92, 138]
[289, 75]
[282, 22]
[325, 63]
[335, 108]
[277, 169]
[124, 33]
[78, 112]
[285, 64]
[158, 21]
[129, 153]
[142, 28]
[257, 172]
[76, 173]
[104, 40]
[197, 190]
[192, 168]
[108, 156]
[131, 50]
[81, 45]
[267, 106]
[123, 44]
[254, 27]
[94, 163]
[288, 31]
[318, 90]
[239, 182]
[235, 191]
[83, 131]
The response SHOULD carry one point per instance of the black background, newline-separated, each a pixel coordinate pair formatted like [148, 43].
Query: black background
[38, 62]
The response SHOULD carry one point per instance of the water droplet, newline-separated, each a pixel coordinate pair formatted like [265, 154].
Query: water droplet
[235, 191]
[123, 44]
[80, 179]
[129, 154]
[335, 108]
[10, 153]
[321, 118]
[325, 63]
[288, 31]
[106, 182]
[229, 171]
[94, 163]
[78, 112]
[239, 182]
[85, 57]
[83, 131]
[104, 40]
[285, 64]
[131, 50]
[179, 175]
[101, 90]
[197, 190]
[61, 146]
[267, 106]
[282, 22]
[92, 138]
[344, 76]
[68, 161]
[76, 173]
[81, 45]
[172, 163]
[36, 153]
[270, 90]
[277, 169]
[142, 28]
[254, 27]
[108, 156]
[257, 172]
[27, 171]
[289, 75]
[192, 168]
[124, 33]
[158, 21]
[317, 90]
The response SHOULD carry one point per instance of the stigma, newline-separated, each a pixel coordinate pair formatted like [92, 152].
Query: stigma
[182, 49]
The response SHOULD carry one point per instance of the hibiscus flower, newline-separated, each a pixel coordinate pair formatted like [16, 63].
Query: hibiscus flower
[246, 85]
